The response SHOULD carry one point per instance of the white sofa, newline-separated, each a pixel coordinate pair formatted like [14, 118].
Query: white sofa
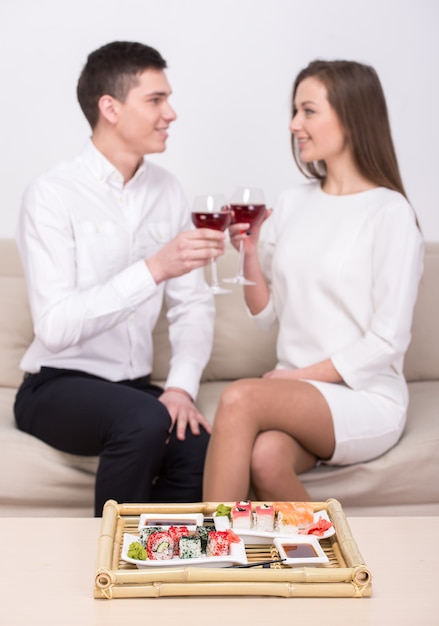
[37, 480]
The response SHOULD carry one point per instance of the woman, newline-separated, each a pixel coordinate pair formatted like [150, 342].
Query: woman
[342, 259]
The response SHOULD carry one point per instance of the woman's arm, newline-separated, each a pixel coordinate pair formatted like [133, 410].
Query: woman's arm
[257, 295]
[324, 371]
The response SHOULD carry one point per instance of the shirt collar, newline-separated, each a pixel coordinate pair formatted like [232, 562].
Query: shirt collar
[103, 170]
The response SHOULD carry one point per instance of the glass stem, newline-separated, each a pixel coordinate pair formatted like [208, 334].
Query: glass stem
[214, 272]
[241, 259]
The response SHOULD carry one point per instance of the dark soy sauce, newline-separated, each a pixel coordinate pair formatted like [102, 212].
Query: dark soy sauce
[299, 550]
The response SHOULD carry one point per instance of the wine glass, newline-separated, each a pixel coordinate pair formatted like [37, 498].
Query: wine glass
[248, 206]
[212, 211]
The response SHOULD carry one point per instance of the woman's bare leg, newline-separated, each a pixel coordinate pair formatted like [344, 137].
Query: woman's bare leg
[277, 459]
[251, 406]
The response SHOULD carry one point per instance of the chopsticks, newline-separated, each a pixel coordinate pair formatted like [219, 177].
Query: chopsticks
[260, 563]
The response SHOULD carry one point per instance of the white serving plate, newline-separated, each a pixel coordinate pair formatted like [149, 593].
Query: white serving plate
[299, 540]
[236, 555]
[170, 519]
[255, 536]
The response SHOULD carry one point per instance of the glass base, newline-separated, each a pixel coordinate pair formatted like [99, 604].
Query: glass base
[217, 290]
[239, 280]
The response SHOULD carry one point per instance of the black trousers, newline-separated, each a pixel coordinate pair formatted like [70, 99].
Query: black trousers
[125, 424]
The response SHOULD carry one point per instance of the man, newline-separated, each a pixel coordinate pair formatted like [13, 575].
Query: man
[103, 239]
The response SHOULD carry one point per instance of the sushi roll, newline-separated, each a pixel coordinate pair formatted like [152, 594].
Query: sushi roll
[241, 517]
[189, 547]
[145, 532]
[203, 533]
[265, 517]
[160, 546]
[176, 532]
[218, 543]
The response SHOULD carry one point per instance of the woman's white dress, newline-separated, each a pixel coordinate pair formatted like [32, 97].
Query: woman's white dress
[344, 274]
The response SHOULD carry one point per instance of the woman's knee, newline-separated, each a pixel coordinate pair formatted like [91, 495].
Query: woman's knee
[238, 395]
[272, 456]
[266, 453]
[234, 414]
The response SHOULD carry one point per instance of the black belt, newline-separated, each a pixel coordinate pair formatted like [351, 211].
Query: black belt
[142, 380]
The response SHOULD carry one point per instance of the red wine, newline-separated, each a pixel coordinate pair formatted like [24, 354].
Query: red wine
[219, 220]
[252, 214]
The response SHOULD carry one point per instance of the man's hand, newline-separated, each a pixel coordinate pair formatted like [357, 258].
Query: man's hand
[186, 252]
[183, 412]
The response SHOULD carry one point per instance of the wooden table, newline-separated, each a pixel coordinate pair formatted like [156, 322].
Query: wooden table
[48, 567]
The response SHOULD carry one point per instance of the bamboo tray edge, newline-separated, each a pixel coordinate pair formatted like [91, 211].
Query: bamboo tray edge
[348, 578]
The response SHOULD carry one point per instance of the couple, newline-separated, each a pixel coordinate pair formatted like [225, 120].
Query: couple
[106, 237]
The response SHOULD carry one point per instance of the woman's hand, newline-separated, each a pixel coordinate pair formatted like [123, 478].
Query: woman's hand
[291, 374]
[240, 231]
[323, 371]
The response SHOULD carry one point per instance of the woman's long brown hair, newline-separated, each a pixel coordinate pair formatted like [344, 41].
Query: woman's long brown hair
[356, 95]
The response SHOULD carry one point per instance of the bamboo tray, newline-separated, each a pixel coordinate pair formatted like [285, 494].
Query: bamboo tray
[344, 576]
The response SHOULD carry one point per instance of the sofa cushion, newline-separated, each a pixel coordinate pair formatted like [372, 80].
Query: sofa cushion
[15, 320]
[421, 361]
[39, 478]
[240, 349]
[254, 349]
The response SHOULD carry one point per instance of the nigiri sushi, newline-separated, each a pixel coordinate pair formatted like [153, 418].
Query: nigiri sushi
[292, 516]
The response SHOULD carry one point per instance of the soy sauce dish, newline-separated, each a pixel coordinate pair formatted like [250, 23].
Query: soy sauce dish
[300, 549]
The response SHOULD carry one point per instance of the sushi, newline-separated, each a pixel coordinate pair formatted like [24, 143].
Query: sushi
[160, 546]
[264, 517]
[293, 516]
[189, 547]
[203, 533]
[144, 533]
[176, 532]
[242, 516]
[244, 504]
[218, 543]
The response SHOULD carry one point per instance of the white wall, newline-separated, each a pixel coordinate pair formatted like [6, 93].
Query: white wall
[231, 66]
